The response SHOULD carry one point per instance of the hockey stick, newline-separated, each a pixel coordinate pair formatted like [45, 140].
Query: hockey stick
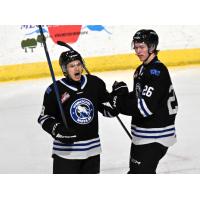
[53, 76]
[85, 68]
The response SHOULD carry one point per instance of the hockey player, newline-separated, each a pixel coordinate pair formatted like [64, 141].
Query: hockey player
[152, 105]
[76, 148]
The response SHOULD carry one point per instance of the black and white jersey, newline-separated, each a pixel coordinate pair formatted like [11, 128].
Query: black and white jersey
[81, 102]
[152, 104]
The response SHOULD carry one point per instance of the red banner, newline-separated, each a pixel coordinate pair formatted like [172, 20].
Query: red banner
[64, 33]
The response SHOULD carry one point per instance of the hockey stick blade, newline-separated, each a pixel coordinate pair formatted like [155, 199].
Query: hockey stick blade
[65, 45]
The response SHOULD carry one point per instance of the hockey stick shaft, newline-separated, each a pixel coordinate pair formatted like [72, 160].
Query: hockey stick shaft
[53, 76]
[85, 68]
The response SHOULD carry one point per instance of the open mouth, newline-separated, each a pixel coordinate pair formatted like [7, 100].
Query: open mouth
[77, 74]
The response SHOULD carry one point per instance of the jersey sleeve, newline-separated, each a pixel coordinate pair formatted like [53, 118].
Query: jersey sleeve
[103, 95]
[147, 96]
[104, 106]
[48, 116]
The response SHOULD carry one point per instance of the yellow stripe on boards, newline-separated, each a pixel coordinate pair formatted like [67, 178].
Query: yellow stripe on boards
[27, 71]
[98, 64]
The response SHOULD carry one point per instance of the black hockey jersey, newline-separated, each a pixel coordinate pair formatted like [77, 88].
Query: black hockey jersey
[81, 103]
[152, 104]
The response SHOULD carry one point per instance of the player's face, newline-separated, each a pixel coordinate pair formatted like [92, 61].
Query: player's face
[141, 50]
[74, 70]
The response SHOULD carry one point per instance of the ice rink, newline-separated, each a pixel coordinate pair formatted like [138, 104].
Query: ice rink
[26, 149]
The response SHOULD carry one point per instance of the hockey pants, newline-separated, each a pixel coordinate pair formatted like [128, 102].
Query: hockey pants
[85, 166]
[144, 159]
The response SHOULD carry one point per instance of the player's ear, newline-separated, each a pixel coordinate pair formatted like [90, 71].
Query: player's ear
[152, 48]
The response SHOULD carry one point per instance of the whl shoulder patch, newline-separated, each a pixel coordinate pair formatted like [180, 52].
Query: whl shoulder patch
[155, 72]
[48, 90]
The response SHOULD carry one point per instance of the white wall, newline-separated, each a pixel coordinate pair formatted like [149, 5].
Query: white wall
[94, 43]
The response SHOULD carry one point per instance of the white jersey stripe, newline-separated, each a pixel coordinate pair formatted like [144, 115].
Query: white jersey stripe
[153, 132]
[140, 109]
[152, 129]
[44, 118]
[69, 86]
[143, 108]
[77, 150]
[85, 81]
[146, 108]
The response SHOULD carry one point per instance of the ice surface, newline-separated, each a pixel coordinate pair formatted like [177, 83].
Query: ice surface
[25, 148]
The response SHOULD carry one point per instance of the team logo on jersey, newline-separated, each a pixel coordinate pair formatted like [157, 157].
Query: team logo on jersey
[82, 111]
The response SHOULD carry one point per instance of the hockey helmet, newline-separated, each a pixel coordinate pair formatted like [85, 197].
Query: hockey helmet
[67, 57]
[148, 36]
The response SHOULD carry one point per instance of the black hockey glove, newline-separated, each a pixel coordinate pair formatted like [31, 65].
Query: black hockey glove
[62, 134]
[119, 88]
[107, 111]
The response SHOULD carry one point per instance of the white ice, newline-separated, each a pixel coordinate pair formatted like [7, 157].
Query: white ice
[26, 149]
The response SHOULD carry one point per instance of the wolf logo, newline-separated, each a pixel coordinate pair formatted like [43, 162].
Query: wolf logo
[82, 111]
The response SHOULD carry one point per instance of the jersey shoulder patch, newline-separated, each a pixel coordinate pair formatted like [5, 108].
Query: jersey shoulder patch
[156, 69]
[154, 72]
[48, 90]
